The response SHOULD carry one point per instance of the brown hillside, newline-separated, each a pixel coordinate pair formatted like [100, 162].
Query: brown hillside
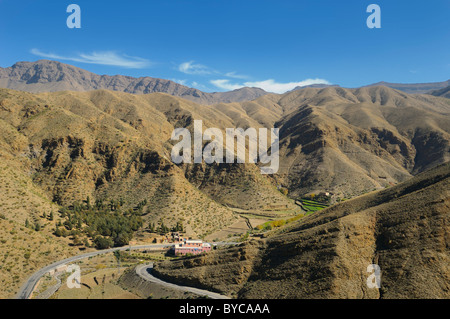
[403, 229]
[113, 145]
[62, 147]
[353, 141]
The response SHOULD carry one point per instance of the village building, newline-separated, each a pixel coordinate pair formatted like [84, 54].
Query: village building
[190, 246]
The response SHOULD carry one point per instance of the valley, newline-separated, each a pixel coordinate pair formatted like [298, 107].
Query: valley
[82, 170]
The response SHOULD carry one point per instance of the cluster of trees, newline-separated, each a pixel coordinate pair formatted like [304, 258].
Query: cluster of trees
[162, 229]
[36, 225]
[105, 222]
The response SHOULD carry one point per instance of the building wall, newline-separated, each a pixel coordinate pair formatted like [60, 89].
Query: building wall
[193, 250]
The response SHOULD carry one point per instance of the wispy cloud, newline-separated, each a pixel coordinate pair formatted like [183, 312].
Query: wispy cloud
[267, 85]
[226, 85]
[275, 87]
[200, 86]
[103, 58]
[179, 81]
[234, 75]
[195, 69]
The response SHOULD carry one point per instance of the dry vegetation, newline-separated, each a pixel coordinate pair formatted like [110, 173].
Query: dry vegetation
[57, 148]
[403, 229]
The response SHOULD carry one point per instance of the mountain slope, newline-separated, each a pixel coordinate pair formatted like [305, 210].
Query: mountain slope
[52, 76]
[351, 141]
[60, 148]
[413, 88]
[405, 230]
[445, 92]
[112, 145]
[343, 141]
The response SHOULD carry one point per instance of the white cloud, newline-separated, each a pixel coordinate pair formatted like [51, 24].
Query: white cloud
[196, 69]
[200, 86]
[193, 68]
[267, 85]
[103, 58]
[182, 82]
[236, 76]
[272, 86]
[226, 85]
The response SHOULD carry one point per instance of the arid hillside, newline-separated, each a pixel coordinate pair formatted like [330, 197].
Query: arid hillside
[66, 149]
[332, 139]
[110, 144]
[404, 229]
[62, 149]
[414, 88]
[116, 146]
[445, 92]
[352, 141]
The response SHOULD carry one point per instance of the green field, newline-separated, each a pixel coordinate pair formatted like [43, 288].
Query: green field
[311, 205]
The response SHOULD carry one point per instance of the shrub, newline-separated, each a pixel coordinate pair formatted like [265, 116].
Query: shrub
[103, 242]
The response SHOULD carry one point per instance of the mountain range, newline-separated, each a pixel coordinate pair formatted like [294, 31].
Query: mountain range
[82, 137]
[415, 88]
[52, 76]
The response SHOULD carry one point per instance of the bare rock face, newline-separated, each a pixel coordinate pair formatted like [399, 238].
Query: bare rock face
[404, 230]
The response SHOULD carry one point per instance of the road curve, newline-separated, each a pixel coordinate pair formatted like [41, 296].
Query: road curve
[145, 272]
[28, 287]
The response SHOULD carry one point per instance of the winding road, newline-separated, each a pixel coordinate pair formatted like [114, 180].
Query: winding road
[145, 272]
[28, 287]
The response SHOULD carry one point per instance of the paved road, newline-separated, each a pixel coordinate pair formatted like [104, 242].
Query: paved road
[50, 291]
[28, 287]
[145, 272]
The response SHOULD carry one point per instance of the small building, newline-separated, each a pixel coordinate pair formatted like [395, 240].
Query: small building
[190, 246]
[61, 268]
[176, 237]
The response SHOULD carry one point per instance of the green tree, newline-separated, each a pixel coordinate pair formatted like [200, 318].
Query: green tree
[88, 203]
[58, 232]
[121, 239]
[76, 241]
[103, 242]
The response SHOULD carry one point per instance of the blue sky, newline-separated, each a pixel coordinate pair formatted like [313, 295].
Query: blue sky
[218, 45]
